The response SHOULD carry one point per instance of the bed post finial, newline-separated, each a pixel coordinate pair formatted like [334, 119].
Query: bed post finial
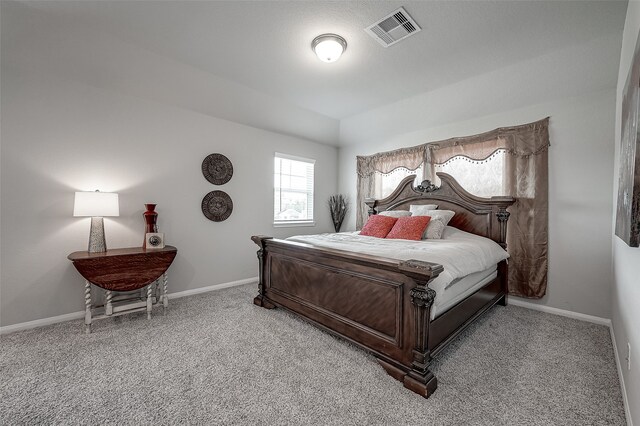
[260, 300]
[371, 203]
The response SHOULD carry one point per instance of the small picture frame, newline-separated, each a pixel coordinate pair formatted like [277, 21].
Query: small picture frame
[154, 240]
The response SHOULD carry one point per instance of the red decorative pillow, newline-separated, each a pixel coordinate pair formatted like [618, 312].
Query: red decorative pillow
[409, 228]
[378, 226]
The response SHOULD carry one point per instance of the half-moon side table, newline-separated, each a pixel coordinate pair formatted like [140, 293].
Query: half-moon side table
[124, 269]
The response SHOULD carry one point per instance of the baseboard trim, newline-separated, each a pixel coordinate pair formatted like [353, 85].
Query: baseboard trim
[80, 314]
[562, 312]
[41, 322]
[623, 388]
[199, 290]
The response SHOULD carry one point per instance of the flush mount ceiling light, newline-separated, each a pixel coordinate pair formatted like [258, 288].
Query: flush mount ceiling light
[329, 47]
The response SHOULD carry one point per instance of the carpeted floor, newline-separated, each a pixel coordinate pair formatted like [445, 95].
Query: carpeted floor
[218, 359]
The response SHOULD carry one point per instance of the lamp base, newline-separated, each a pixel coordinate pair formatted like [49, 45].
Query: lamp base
[97, 243]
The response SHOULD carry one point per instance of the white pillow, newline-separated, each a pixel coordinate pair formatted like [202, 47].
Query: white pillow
[396, 213]
[439, 219]
[434, 230]
[417, 209]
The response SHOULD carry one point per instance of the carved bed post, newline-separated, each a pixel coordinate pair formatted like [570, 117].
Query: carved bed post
[260, 299]
[420, 379]
[503, 218]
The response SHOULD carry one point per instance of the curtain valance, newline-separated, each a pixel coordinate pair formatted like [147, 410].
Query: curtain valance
[519, 141]
[385, 162]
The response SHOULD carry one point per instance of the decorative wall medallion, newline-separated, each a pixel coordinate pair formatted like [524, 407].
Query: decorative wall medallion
[217, 206]
[217, 169]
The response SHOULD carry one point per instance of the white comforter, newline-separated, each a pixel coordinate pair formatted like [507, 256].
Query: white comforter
[459, 252]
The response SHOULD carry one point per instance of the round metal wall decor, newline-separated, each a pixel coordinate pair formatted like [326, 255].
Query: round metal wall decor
[217, 206]
[217, 169]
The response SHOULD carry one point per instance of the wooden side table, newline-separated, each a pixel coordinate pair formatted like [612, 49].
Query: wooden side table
[123, 270]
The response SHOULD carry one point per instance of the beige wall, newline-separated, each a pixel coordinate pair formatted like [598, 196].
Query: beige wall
[68, 126]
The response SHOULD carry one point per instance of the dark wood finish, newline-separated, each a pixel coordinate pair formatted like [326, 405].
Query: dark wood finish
[123, 269]
[380, 304]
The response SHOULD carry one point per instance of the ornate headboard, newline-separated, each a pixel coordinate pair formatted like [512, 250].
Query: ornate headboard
[481, 216]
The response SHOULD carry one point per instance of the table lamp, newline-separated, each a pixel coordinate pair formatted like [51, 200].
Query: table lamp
[96, 205]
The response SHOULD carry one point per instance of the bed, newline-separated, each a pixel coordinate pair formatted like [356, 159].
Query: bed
[400, 308]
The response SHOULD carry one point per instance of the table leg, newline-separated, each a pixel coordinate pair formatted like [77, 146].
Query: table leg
[165, 296]
[109, 306]
[87, 307]
[149, 300]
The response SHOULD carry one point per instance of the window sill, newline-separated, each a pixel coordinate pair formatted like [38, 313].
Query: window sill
[292, 224]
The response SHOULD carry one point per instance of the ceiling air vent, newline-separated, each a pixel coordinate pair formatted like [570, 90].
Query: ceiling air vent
[394, 27]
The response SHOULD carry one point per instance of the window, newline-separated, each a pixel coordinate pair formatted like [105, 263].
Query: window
[386, 183]
[467, 172]
[292, 190]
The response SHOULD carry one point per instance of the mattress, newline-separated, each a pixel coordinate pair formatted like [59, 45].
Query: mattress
[460, 289]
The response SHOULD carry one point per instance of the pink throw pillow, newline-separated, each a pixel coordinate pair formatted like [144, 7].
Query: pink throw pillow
[378, 226]
[409, 228]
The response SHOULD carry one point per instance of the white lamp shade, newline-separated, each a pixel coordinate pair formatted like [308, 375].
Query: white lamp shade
[96, 204]
[329, 47]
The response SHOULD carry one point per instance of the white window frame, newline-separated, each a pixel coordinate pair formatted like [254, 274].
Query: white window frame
[296, 223]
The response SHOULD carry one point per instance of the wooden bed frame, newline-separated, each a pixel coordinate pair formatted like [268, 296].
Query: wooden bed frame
[383, 305]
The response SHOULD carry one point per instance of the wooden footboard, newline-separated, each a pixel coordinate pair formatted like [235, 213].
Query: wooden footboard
[377, 303]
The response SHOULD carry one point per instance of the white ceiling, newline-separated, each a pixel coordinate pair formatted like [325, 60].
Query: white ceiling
[265, 45]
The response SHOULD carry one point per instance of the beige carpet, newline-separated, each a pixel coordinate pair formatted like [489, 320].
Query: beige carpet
[218, 359]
